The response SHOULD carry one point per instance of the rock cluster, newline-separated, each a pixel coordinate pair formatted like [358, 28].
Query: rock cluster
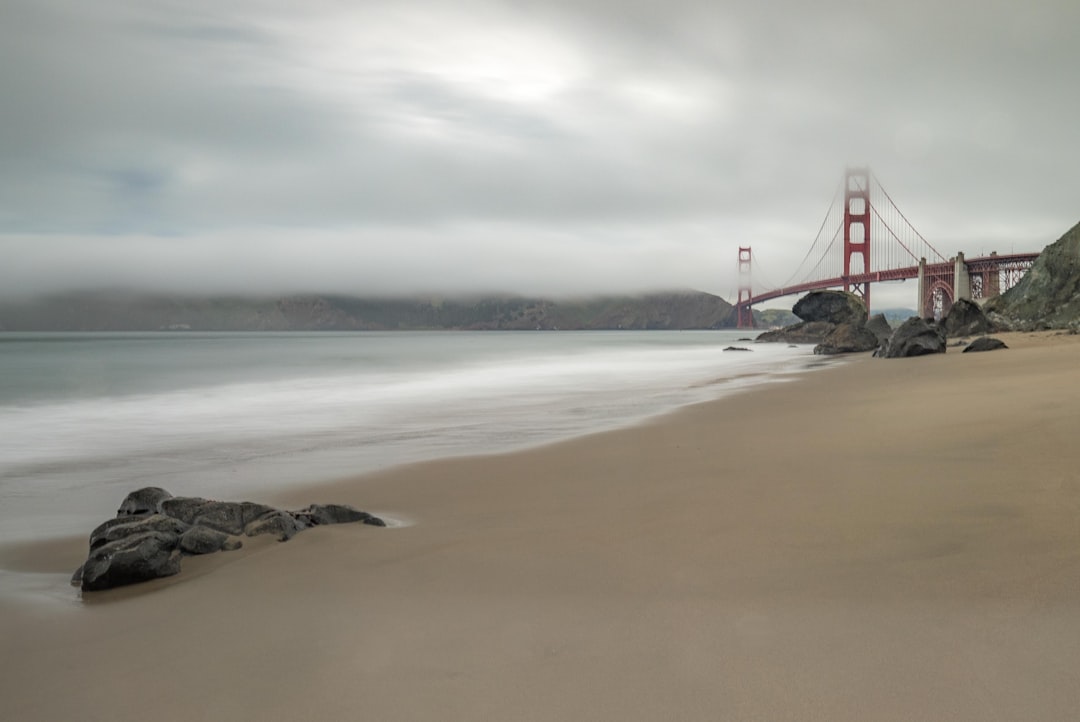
[153, 531]
[834, 320]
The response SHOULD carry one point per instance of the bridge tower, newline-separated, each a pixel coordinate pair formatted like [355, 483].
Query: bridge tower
[857, 218]
[742, 306]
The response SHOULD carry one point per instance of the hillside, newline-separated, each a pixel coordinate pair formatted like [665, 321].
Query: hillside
[135, 312]
[1048, 296]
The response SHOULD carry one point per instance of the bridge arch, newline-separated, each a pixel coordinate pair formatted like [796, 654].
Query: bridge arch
[939, 298]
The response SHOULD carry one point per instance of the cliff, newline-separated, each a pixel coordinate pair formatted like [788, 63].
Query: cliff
[1048, 296]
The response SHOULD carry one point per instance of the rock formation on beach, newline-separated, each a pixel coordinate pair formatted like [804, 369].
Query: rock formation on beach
[153, 531]
[834, 320]
[914, 337]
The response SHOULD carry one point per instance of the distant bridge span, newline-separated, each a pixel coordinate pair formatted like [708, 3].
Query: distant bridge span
[899, 254]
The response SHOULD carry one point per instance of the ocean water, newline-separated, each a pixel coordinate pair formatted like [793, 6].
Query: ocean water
[85, 418]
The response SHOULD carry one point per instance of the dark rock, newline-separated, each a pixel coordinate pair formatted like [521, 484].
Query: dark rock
[806, 332]
[111, 531]
[374, 521]
[201, 540]
[880, 326]
[985, 343]
[736, 348]
[230, 517]
[965, 318]
[334, 514]
[831, 307]
[281, 523]
[76, 578]
[143, 501]
[184, 508]
[137, 558]
[914, 337]
[847, 338]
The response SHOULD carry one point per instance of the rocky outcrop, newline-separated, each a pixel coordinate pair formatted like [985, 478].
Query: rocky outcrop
[835, 307]
[914, 337]
[847, 338]
[965, 318]
[1048, 296]
[985, 343]
[835, 321]
[880, 327]
[805, 332]
[153, 530]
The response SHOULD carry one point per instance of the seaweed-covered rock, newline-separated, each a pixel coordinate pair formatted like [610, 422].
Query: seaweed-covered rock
[985, 343]
[137, 558]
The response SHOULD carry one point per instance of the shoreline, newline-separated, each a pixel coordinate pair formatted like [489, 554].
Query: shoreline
[894, 539]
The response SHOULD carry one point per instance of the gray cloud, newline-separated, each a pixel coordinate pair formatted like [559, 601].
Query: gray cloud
[513, 146]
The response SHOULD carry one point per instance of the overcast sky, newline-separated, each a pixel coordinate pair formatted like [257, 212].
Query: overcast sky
[563, 146]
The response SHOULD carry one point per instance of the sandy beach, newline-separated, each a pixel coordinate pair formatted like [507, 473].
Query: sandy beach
[882, 540]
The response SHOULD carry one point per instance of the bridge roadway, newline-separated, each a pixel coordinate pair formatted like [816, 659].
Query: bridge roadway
[979, 265]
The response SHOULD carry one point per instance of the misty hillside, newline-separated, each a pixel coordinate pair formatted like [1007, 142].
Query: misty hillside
[133, 312]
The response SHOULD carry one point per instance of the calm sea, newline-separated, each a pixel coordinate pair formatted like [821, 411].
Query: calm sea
[85, 418]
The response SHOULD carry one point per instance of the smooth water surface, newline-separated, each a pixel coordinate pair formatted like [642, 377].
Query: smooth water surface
[85, 418]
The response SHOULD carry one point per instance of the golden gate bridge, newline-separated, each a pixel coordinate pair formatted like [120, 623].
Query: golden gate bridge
[866, 239]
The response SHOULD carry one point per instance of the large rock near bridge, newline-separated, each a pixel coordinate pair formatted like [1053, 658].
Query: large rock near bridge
[914, 337]
[835, 307]
[1048, 296]
[813, 332]
[965, 318]
[154, 530]
[880, 327]
[847, 338]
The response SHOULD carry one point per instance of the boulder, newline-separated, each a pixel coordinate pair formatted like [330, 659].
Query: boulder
[230, 517]
[965, 318]
[914, 337]
[805, 332]
[281, 523]
[202, 540]
[985, 343]
[847, 338]
[736, 348]
[143, 501]
[335, 514]
[880, 326]
[137, 558]
[111, 531]
[835, 307]
[155, 529]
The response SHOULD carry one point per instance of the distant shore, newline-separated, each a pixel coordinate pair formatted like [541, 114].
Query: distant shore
[890, 540]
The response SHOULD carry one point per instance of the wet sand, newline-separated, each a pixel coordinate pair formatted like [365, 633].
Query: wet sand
[884, 540]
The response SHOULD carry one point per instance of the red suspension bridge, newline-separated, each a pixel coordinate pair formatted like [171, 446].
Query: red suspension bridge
[866, 239]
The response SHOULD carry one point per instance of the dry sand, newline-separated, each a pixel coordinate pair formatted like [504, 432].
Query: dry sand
[885, 540]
